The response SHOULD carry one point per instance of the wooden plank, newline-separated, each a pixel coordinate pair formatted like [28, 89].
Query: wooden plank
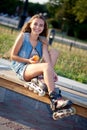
[11, 76]
[80, 110]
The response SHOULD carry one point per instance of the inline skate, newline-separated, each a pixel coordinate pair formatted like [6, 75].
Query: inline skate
[36, 86]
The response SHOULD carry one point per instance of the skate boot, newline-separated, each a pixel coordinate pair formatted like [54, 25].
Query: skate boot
[35, 88]
[64, 113]
[57, 102]
[42, 85]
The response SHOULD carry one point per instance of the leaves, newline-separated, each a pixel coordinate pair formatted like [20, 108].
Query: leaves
[80, 10]
[69, 9]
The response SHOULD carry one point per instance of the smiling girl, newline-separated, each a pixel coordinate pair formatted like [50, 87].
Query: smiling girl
[32, 41]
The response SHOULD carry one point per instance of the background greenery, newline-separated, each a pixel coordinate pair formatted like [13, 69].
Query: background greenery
[70, 16]
[71, 64]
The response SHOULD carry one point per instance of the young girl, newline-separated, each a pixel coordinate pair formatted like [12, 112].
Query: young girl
[32, 41]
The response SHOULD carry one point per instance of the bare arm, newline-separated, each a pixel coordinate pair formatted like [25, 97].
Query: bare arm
[47, 59]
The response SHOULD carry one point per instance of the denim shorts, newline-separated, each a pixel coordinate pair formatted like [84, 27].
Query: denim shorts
[20, 72]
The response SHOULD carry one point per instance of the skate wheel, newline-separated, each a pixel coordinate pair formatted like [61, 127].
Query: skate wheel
[35, 91]
[55, 116]
[41, 94]
[26, 85]
[73, 111]
[31, 89]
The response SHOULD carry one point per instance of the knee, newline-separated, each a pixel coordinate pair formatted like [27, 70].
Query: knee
[54, 52]
[47, 66]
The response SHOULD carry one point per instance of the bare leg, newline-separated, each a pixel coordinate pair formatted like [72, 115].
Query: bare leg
[34, 70]
[53, 56]
[53, 53]
[56, 98]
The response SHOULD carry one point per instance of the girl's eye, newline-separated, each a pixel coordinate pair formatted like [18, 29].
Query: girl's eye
[40, 25]
[36, 24]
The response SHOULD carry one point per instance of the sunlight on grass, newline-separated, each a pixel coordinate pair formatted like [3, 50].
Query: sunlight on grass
[71, 64]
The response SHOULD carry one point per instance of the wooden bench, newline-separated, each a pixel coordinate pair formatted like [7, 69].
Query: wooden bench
[9, 80]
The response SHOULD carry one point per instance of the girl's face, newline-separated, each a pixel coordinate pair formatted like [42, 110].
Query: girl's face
[37, 26]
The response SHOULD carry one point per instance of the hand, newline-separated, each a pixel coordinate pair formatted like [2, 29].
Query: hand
[31, 61]
[34, 59]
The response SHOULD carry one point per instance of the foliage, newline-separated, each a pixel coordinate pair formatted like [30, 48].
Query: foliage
[70, 9]
[71, 13]
[67, 15]
[81, 31]
[54, 23]
[34, 8]
[11, 6]
[80, 10]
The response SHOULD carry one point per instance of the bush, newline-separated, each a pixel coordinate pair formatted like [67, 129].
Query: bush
[81, 31]
[55, 23]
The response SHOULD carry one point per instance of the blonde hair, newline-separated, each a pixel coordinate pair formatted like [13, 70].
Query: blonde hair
[26, 27]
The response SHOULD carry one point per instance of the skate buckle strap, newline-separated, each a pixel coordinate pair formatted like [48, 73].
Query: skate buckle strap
[54, 96]
[63, 103]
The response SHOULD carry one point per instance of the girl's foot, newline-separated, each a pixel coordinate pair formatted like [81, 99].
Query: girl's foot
[57, 102]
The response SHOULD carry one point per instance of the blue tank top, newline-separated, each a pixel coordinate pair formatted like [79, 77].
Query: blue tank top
[25, 52]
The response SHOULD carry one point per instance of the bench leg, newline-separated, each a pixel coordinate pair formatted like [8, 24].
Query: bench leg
[2, 94]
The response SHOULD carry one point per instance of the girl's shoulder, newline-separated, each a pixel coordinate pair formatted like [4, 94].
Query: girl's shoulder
[44, 40]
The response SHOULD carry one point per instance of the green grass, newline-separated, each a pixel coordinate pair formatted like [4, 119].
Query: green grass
[7, 38]
[71, 64]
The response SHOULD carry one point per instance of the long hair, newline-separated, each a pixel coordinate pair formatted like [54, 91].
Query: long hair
[26, 27]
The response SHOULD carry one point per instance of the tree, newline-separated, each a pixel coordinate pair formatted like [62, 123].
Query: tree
[72, 10]
[9, 6]
[80, 10]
